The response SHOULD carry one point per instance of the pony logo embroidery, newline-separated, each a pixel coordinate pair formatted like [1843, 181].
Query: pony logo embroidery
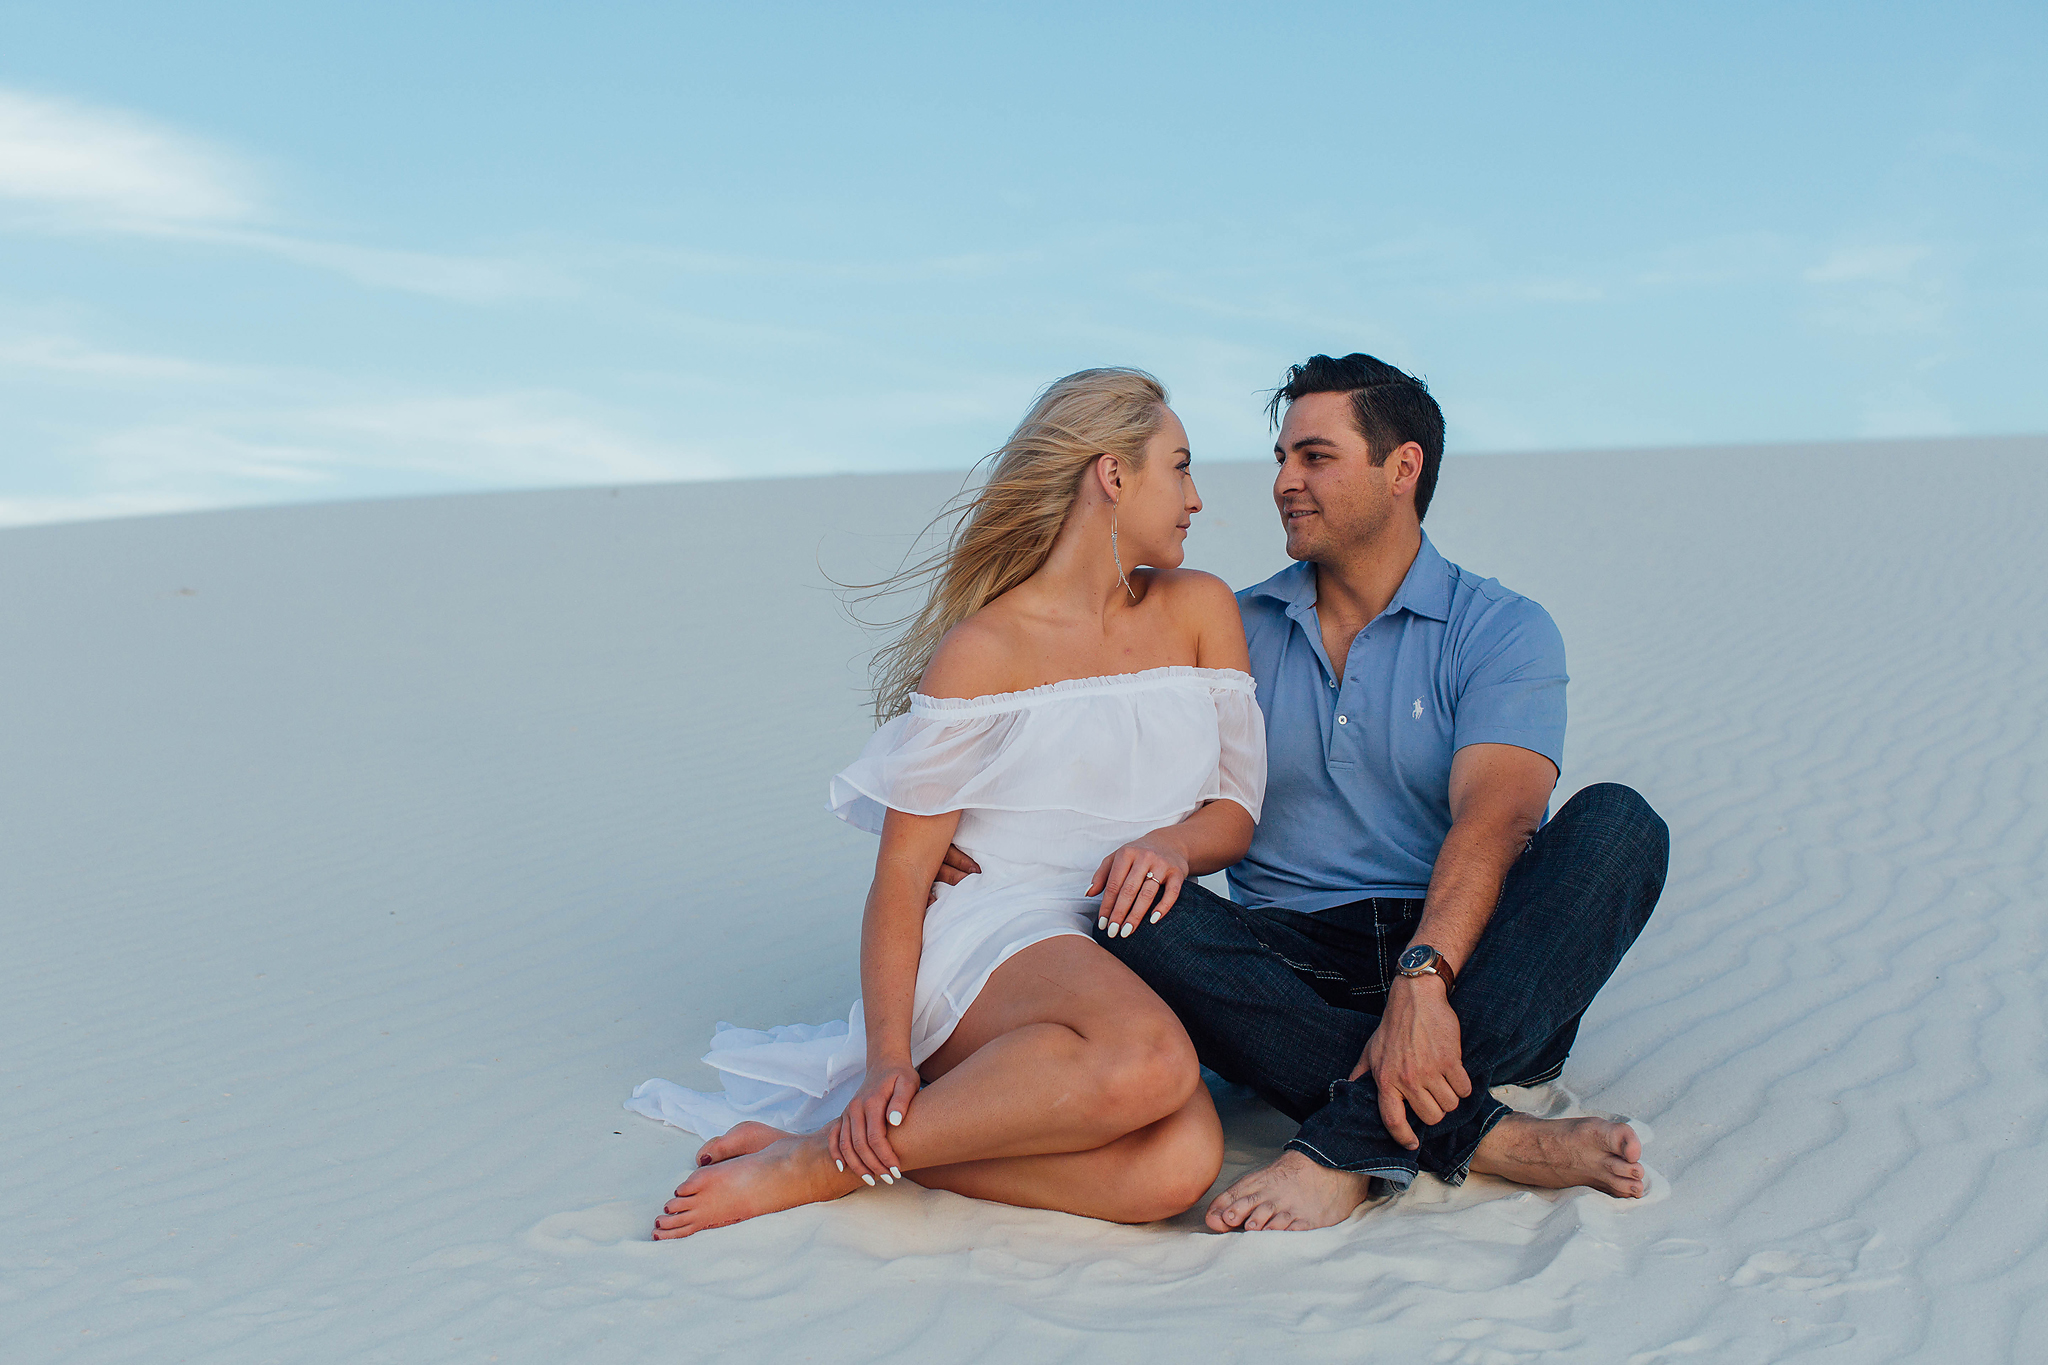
[1417, 712]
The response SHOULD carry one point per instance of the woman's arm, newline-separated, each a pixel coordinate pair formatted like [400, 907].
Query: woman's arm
[892, 930]
[1145, 875]
[891, 943]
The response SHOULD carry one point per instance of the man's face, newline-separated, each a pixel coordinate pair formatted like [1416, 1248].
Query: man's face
[1332, 498]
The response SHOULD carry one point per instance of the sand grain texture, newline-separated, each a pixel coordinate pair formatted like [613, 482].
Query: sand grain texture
[359, 859]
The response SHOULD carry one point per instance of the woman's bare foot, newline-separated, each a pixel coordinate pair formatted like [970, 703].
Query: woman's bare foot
[1292, 1194]
[743, 1139]
[1554, 1154]
[787, 1172]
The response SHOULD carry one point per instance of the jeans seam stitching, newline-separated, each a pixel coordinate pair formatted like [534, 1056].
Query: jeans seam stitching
[1324, 1158]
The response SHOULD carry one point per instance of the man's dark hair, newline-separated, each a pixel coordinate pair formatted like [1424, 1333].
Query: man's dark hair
[1389, 406]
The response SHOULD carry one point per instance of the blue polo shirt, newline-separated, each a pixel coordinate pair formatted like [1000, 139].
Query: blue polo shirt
[1358, 765]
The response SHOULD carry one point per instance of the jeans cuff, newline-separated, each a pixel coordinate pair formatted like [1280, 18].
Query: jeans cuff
[1397, 1174]
[1541, 1078]
[1461, 1164]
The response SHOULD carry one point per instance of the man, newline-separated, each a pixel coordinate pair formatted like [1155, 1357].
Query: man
[1406, 930]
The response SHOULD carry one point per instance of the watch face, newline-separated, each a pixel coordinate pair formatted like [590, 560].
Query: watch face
[1415, 958]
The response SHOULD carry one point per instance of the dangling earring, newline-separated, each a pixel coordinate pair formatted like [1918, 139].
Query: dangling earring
[1117, 557]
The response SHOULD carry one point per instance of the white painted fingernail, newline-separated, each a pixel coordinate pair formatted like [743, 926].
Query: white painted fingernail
[1155, 916]
[840, 1164]
[1102, 923]
[888, 1180]
[896, 1171]
[1130, 926]
[896, 1118]
[865, 1176]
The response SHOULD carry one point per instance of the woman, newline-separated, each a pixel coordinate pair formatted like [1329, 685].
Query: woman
[1073, 710]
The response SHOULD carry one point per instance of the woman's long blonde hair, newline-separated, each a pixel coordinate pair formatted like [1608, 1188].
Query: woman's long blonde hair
[1004, 528]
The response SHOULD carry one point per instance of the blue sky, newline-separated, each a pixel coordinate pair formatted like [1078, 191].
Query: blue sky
[257, 253]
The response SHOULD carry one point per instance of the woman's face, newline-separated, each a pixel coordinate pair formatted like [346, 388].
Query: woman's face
[1159, 502]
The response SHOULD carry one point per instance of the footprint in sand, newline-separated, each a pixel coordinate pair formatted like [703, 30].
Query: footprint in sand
[584, 1229]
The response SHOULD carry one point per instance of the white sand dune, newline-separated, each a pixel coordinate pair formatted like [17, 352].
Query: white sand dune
[356, 861]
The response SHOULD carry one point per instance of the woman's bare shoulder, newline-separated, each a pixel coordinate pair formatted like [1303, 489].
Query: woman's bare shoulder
[1194, 587]
[1204, 606]
[1195, 597]
[976, 658]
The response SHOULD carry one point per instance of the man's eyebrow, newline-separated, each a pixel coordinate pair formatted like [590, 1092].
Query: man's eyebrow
[1307, 441]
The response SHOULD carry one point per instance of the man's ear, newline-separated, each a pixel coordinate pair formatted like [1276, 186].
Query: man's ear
[1407, 462]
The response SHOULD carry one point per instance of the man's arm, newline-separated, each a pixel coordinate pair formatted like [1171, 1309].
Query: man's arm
[1498, 794]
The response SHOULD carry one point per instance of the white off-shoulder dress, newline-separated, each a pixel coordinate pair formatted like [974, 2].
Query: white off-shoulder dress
[1048, 783]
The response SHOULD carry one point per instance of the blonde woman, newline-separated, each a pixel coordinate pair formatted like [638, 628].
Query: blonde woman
[1073, 710]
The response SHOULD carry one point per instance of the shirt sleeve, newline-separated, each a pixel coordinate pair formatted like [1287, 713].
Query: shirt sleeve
[1241, 762]
[1512, 681]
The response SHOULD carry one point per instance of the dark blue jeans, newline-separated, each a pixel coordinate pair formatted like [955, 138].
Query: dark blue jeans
[1284, 1002]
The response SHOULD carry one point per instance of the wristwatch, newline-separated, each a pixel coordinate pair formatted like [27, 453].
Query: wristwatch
[1419, 959]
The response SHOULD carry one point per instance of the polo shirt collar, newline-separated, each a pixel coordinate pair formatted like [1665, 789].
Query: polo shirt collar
[1425, 591]
[1294, 587]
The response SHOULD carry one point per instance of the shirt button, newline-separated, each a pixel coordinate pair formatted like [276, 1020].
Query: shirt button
[1333, 682]
[1342, 721]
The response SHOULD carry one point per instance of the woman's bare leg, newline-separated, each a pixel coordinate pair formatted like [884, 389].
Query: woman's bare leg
[1064, 1051]
[1142, 1177]
[1154, 1173]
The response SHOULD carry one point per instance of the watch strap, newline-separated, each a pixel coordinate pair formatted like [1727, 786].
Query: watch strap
[1436, 966]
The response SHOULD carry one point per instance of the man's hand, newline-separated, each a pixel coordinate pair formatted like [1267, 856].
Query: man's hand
[955, 868]
[1416, 1056]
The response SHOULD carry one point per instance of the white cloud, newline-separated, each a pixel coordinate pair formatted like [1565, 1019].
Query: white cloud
[1714, 262]
[111, 169]
[66, 356]
[33, 511]
[71, 167]
[1907, 410]
[1559, 289]
[1888, 264]
[468, 279]
[506, 438]
[1880, 290]
[354, 450]
[479, 441]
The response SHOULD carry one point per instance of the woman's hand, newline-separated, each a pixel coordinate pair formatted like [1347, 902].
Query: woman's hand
[1145, 874]
[859, 1138]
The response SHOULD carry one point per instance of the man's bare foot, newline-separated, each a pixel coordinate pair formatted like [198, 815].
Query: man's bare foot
[787, 1172]
[743, 1139]
[1554, 1154]
[1293, 1194]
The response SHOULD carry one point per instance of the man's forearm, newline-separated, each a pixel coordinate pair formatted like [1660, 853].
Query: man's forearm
[1465, 886]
